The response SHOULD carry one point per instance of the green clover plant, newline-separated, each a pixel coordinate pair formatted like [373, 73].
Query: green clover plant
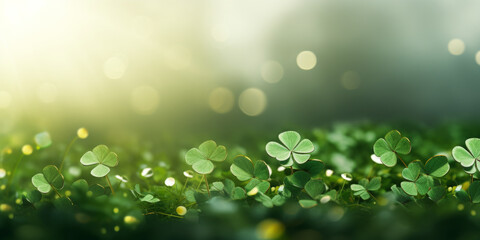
[49, 179]
[420, 178]
[201, 158]
[103, 160]
[389, 147]
[244, 169]
[470, 159]
[364, 187]
[293, 149]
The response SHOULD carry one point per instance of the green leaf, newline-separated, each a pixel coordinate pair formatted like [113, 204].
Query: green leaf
[474, 191]
[264, 199]
[462, 156]
[277, 151]
[412, 171]
[381, 147]
[315, 188]
[400, 195]
[307, 203]
[218, 186]
[374, 184]
[194, 155]
[229, 186]
[305, 146]
[392, 138]
[53, 176]
[261, 170]
[357, 187]
[437, 166]
[242, 168]
[299, 178]
[389, 159]
[403, 146]
[208, 147]
[110, 160]
[219, 155]
[300, 157]
[409, 188]
[312, 166]
[33, 196]
[463, 196]
[238, 193]
[262, 186]
[203, 167]
[41, 183]
[290, 139]
[278, 200]
[150, 199]
[100, 171]
[89, 158]
[436, 193]
[473, 145]
[424, 183]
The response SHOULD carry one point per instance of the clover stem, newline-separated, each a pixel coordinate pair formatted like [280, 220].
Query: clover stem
[200, 183]
[471, 179]
[206, 182]
[59, 195]
[109, 184]
[162, 213]
[14, 170]
[402, 160]
[291, 169]
[372, 196]
[66, 152]
[343, 185]
[185, 185]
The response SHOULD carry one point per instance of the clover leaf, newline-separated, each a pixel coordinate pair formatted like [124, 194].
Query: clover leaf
[201, 158]
[362, 189]
[387, 148]
[416, 183]
[437, 166]
[468, 159]
[48, 179]
[244, 169]
[293, 148]
[149, 198]
[102, 158]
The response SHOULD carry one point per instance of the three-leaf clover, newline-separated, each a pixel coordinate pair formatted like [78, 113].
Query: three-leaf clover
[102, 158]
[387, 148]
[364, 186]
[201, 158]
[293, 148]
[244, 169]
[470, 159]
[48, 179]
[416, 183]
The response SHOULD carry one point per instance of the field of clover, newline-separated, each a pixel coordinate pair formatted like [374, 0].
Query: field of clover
[356, 168]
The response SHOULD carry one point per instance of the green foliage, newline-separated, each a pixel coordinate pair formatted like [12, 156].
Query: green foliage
[48, 179]
[244, 169]
[101, 158]
[201, 158]
[387, 148]
[468, 159]
[293, 149]
[364, 186]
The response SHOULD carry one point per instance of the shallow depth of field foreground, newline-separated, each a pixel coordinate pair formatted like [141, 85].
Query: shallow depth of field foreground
[268, 120]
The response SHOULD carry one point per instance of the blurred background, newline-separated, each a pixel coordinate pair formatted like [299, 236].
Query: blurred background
[205, 68]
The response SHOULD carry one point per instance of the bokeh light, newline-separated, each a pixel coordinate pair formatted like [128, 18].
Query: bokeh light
[221, 100]
[306, 60]
[456, 46]
[252, 101]
[477, 57]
